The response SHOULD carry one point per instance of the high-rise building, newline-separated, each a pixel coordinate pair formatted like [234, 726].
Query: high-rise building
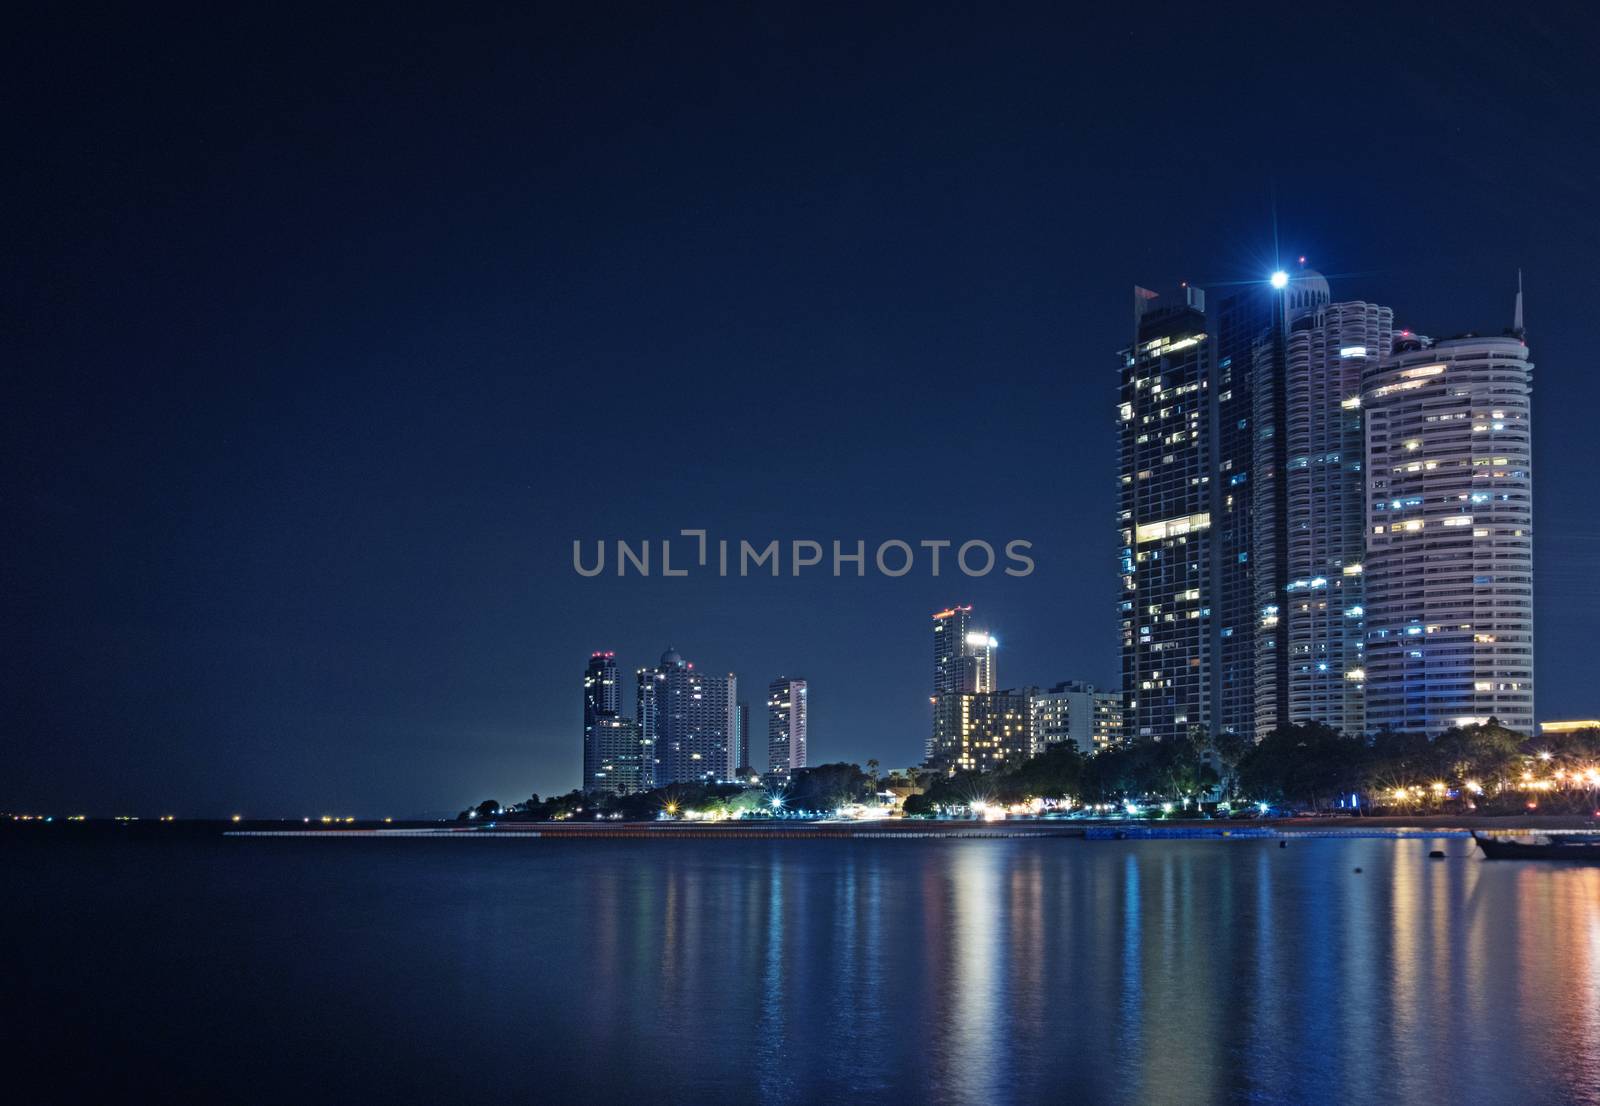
[982, 730]
[620, 770]
[687, 721]
[722, 705]
[650, 682]
[1074, 711]
[963, 663]
[744, 767]
[1449, 561]
[1166, 509]
[1249, 348]
[1306, 488]
[963, 654]
[787, 710]
[602, 701]
[1321, 613]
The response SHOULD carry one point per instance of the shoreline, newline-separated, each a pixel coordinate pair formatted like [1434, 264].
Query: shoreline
[1387, 826]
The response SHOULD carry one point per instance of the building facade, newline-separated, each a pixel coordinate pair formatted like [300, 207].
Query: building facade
[744, 766]
[1449, 562]
[982, 730]
[1308, 505]
[1248, 347]
[963, 664]
[620, 770]
[1164, 520]
[787, 722]
[1075, 712]
[687, 722]
[1321, 602]
[963, 654]
[602, 702]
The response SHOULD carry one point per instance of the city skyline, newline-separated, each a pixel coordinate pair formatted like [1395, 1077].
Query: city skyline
[1304, 454]
[320, 378]
[802, 553]
[1257, 449]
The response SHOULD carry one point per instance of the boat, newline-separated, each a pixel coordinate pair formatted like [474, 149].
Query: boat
[1544, 846]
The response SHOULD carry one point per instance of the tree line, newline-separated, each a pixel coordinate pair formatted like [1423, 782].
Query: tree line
[1308, 766]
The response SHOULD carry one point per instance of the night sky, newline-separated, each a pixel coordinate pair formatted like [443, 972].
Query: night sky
[327, 334]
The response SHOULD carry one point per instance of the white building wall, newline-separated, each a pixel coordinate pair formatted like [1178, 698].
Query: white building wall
[1449, 566]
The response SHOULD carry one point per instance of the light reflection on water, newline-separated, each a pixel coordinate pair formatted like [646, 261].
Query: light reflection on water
[806, 971]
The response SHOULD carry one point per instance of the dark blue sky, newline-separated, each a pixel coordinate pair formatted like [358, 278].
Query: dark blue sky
[327, 334]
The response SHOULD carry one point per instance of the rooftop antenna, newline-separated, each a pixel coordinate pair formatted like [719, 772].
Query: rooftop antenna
[1516, 318]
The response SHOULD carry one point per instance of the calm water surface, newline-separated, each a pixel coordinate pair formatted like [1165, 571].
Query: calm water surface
[802, 971]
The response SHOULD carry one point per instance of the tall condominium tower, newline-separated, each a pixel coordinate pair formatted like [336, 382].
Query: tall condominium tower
[963, 663]
[1248, 346]
[1166, 509]
[648, 705]
[786, 725]
[602, 700]
[963, 655]
[743, 766]
[1449, 563]
[1308, 506]
[687, 721]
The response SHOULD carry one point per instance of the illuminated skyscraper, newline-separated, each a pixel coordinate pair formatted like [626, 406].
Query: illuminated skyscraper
[1449, 563]
[963, 655]
[963, 663]
[1248, 347]
[1166, 508]
[1308, 505]
[787, 719]
[602, 700]
[1322, 614]
[687, 719]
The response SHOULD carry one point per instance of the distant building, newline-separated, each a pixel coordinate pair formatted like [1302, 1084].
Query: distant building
[687, 720]
[1075, 712]
[650, 682]
[602, 701]
[982, 730]
[963, 654]
[621, 761]
[963, 663]
[787, 720]
[744, 766]
[1449, 564]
